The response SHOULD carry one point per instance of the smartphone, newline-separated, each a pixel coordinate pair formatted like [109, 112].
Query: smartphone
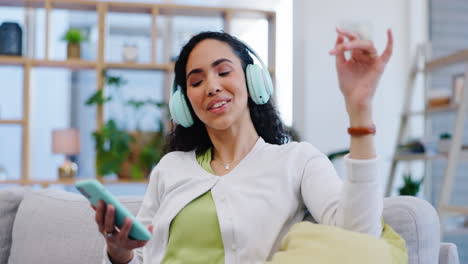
[95, 191]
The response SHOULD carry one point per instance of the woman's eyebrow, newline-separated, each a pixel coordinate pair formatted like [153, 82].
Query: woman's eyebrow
[214, 64]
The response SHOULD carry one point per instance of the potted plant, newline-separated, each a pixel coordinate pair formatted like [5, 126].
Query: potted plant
[112, 144]
[128, 154]
[112, 148]
[74, 37]
[130, 52]
[146, 147]
[444, 142]
[412, 147]
[410, 186]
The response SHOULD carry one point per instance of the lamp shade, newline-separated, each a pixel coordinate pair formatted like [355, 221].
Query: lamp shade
[66, 141]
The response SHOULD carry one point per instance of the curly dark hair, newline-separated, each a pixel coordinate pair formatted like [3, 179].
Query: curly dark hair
[265, 117]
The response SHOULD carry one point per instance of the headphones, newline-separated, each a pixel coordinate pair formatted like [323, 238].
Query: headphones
[259, 84]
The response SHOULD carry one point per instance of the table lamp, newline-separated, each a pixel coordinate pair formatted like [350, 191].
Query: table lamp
[66, 141]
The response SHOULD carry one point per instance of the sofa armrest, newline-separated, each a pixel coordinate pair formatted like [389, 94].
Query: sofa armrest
[418, 223]
[10, 200]
[448, 254]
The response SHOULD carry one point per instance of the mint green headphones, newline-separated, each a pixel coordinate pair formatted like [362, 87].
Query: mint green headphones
[259, 84]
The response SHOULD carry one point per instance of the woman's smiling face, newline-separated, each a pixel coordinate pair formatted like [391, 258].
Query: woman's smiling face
[216, 85]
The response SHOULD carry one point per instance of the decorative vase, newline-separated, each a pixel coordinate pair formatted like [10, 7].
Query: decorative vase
[444, 145]
[130, 53]
[11, 37]
[73, 51]
[67, 170]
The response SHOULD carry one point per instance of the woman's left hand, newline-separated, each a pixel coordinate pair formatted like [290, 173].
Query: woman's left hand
[358, 77]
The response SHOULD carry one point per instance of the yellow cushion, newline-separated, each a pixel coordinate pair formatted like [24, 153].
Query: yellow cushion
[311, 243]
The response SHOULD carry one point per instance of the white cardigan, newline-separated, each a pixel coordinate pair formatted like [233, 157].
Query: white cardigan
[261, 198]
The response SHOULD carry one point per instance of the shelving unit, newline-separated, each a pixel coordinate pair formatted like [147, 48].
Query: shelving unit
[438, 156]
[18, 122]
[457, 152]
[102, 8]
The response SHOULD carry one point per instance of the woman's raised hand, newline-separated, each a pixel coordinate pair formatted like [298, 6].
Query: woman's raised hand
[119, 246]
[359, 75]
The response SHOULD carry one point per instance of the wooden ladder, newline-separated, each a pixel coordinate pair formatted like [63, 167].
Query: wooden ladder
[456, 153]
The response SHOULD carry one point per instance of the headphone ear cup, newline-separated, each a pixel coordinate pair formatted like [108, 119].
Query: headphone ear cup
[179, 109]
[258, 85]
[268, 81]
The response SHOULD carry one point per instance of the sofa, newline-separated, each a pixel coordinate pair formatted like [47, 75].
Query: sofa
[54, 226]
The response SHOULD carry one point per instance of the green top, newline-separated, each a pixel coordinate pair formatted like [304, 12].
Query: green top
[194, 235]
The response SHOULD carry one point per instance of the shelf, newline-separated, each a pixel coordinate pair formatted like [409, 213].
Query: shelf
[424, 156]
[420, 156]
[82, 64]
[140, 7]
[455, 210]
[19, 122]
[59, 4]
[449, 108]
[12, 60]
[179, 10]
[71, 64]
[186, 10]
[122, 7]
[75, 5]
[138, 66]
[23, 3]
[454, 58]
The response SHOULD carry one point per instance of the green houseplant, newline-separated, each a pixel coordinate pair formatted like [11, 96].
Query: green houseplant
[410, 186]
[129, 154]
[146, 149]
[444, 142]
[74, 37]
[112, 148]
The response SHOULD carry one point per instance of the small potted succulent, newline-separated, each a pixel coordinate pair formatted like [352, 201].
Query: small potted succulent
[410, 186]
[444, 142]
[74, 37]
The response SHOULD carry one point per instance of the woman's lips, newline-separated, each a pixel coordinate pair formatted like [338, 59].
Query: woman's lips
[216, 101]
[220, 109]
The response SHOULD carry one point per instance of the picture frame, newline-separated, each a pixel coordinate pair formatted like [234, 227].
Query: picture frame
[458, 83]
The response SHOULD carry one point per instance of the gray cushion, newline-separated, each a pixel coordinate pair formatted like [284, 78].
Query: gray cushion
[418, 223]
[58, 227]
[10, 198]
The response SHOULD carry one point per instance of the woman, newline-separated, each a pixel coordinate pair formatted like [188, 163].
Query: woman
[231, 186]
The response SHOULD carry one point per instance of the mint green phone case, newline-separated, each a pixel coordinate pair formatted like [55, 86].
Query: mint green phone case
[95, 191]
